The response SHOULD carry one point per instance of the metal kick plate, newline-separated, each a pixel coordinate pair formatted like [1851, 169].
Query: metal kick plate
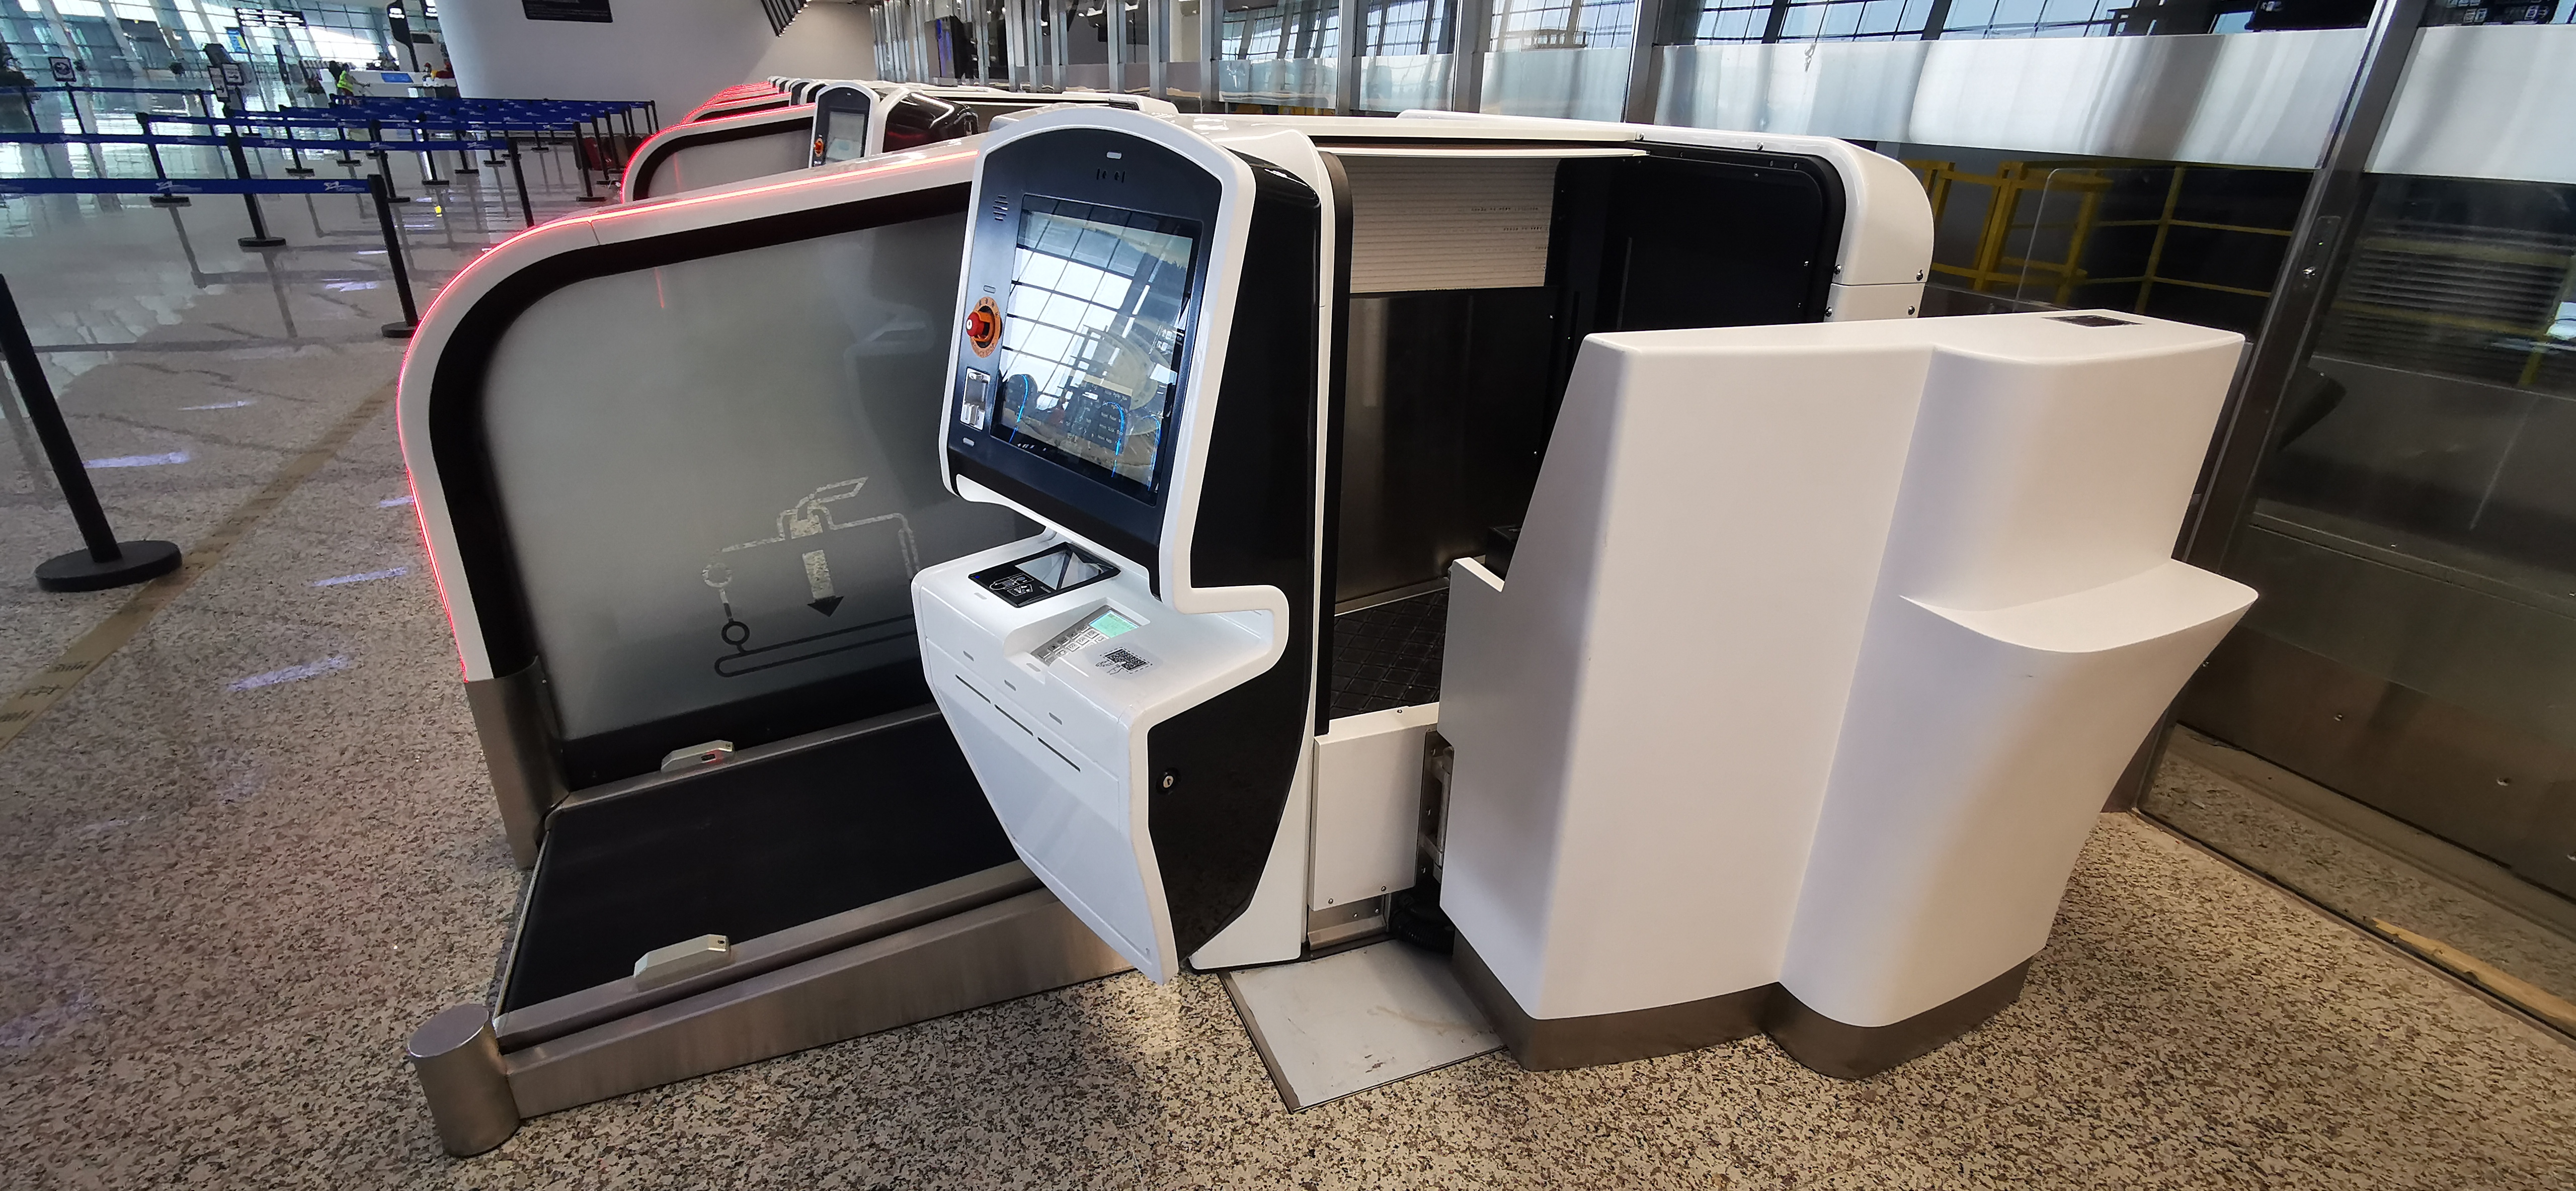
[1357, 1020]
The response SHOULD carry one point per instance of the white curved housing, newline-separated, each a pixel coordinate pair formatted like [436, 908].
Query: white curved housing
[1821, 647]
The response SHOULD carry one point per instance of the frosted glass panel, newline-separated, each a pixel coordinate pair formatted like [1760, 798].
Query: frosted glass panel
[1402, 82]
[1287, 82]
[1577, 84]
[719, 475]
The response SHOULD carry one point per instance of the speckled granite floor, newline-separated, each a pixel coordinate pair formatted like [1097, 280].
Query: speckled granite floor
[2355, 878]
[224, 903]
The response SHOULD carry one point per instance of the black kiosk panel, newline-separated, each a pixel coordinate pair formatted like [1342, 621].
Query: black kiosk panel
[1080, 319]
[841, 124]
[913, 120]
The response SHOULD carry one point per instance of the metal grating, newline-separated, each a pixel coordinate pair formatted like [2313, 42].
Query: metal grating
[1389, 655]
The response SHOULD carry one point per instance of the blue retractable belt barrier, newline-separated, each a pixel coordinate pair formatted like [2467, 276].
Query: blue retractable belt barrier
[116, 90]
[494, 144]
[529, 126]
[12, 186]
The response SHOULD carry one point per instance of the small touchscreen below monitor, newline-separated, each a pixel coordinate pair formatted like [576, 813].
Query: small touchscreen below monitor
[1091, 345]
[844, 136]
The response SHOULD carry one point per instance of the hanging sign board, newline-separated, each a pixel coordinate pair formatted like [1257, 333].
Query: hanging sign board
[566, 10]
[62, 69]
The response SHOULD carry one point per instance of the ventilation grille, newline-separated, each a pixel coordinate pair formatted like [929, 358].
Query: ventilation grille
[1445, 223]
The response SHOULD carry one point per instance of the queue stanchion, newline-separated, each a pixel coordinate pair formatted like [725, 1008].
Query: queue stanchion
[295, 156]
[625, 144]
[581, 165]
[520, 176]
[384, 161]
[153, 147]
[382, 189]
[258, 237]
[106, 562]
[428, 157]
[345, 138]
[492, 156]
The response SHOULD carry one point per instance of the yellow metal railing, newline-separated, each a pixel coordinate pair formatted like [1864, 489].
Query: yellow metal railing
[1993, 264]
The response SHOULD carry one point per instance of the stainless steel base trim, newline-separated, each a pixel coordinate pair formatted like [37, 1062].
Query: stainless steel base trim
[512, 721]
[460, 1072]
[1823, 1045]
[1829, 1047]
[1561, 1043]
[1009, 949]
[526, 1026]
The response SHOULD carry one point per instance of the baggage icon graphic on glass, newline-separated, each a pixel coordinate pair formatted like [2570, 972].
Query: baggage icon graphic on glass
[827, 582]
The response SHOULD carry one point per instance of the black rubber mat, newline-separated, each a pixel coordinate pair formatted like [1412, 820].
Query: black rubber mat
[750, 846]
[1389, 655]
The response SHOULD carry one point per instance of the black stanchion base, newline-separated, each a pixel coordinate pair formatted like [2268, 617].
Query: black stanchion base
[465, 169]
[344, 161]
[591, 198]
[135, 563]
[433, 181]
[400, 330]
[302, 171]
[262, 242]
[169, 200]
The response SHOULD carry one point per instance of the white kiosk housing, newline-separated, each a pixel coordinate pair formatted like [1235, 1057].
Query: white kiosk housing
[828, 121]
[717, 150]
[1262, 380]
[1818, 653]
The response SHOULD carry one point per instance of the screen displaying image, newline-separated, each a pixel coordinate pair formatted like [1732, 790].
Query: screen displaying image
[1090, 354]
[844, 137]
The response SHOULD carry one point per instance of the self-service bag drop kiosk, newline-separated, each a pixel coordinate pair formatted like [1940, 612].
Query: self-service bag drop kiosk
[739, 100]
[856, 118]
[831, 122]
[1262, 380]
[1828, 641]
[714, 151]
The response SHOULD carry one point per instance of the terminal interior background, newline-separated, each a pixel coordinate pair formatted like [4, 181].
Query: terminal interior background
[2323, 935]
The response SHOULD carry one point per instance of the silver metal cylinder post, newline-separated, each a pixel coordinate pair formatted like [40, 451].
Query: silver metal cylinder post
[459, 1065]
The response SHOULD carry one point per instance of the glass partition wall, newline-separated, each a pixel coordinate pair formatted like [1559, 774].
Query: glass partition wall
[2375, 192]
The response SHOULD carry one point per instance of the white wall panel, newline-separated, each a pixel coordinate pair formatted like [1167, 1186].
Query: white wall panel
[2258, 99]
[2485, 102]
[674, 52]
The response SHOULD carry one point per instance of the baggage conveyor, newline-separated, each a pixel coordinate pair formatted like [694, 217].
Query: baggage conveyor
[673, 467]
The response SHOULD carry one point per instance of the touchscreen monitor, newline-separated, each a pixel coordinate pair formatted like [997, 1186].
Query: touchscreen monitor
[843, 137]
[1091, 340]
